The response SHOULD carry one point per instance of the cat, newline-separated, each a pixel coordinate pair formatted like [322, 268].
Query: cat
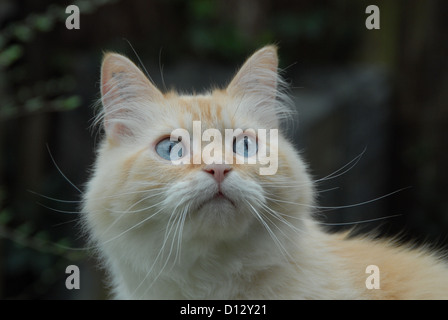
[223, 230]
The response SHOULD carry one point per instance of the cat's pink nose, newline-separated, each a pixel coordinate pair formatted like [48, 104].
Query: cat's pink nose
[218, 171]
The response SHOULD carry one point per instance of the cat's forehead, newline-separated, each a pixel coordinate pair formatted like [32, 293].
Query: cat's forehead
[204, 108]
[213, 110]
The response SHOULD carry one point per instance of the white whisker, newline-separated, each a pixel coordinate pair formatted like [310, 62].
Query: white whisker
[360, 221]
[350, 166]
[336, 207]
[282, 249]
[54, 199]
[131, 228]
[60, 171]
[58, 210]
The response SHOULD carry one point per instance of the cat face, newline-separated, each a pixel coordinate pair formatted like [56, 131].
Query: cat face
[136, 188]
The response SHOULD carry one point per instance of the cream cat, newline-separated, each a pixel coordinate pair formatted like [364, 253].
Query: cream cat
[224, 231]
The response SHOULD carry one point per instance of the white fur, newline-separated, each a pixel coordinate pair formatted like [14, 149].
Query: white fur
[159, 234]
[157, 242]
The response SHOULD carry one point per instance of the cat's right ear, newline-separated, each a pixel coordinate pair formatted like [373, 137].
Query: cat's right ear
[257, 82]
[125, 94]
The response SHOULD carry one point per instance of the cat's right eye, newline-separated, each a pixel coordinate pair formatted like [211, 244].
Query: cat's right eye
[245, 146]
[170, 150]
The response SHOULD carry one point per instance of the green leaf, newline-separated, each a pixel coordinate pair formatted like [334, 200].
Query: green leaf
[43, 23]
[71, 103]
[10, 54]
[7, 110]
[5, 216]
[203, 9]
[25, 229]
[62, 245]
[85, 6]
[43, 236]
[23, 32]
[34, 104]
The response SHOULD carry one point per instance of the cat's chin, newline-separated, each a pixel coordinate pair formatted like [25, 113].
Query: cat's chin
[217, 206]
[220, 218]
[219, 203]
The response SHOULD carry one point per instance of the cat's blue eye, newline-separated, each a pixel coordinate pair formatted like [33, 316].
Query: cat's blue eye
[245, 146]
[170, 150]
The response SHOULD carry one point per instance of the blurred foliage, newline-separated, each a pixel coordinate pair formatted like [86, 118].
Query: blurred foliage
[32, 256]
[46, 95]
[208, 32]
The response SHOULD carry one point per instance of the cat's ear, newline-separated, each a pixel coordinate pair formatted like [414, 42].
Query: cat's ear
[125, 94]
[256, 84]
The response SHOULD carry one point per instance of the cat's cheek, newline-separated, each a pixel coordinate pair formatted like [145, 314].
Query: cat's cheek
[247, 170]
[117, 132]
[148, 166]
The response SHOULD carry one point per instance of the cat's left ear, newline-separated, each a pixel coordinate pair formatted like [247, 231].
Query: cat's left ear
[127, 95]
[256, 84]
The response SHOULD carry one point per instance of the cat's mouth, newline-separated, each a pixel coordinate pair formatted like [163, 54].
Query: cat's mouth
[219, 199]
[220, 195]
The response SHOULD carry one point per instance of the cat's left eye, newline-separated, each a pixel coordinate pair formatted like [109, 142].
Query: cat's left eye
[245, 145]
[170, 150]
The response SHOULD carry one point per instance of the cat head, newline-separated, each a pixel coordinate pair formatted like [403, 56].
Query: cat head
[214, 192]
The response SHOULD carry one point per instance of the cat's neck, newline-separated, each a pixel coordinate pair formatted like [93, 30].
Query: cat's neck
[229, 269]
